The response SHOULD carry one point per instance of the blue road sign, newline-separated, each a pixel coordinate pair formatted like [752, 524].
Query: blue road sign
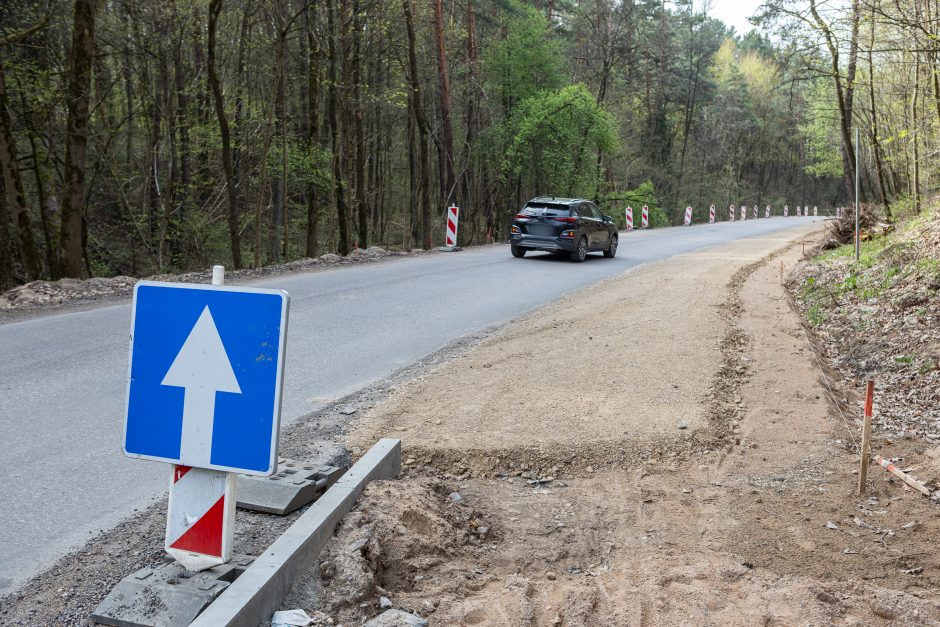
[204, 385]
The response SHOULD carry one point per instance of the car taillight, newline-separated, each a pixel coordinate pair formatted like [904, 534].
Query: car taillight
[568, 220]
[520, 216]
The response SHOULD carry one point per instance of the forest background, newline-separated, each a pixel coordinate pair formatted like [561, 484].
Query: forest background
[143, 137]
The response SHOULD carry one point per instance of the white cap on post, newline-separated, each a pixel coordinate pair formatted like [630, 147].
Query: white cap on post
[218, 275]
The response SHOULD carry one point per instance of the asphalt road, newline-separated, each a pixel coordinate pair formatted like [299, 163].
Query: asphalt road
[63, 376]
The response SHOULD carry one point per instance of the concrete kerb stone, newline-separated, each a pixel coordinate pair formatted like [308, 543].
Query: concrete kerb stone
[261, 589]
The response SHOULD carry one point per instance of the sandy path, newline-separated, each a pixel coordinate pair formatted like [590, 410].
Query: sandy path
[629, 360]
[641, 523]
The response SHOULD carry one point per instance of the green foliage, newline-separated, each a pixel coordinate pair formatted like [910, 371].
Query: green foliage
[525, 62]
[553, 138]
[645, 194]
[821, 131]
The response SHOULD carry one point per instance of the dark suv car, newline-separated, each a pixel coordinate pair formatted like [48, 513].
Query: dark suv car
[562, 225]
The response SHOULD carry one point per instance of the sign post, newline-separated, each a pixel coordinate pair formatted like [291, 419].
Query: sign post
[204, 394]
[645, 217]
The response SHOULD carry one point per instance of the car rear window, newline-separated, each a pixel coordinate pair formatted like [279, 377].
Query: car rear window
[546, 208]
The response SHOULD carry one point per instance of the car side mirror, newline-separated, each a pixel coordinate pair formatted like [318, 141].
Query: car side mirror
[607, 218]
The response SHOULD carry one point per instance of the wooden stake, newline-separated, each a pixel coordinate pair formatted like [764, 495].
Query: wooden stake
[781, 272]
[866, 438]
[903, 476]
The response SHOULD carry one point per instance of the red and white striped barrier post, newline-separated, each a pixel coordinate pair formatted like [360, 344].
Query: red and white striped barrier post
[786, 210]
[815, 211]
[688, 216]
[645, 217]
[755, 212]
[744, 212]
[629, 213]
[711, 214]
[799, 212]
[453, 214]
[731, 213]
[201, 517]
[767, 211]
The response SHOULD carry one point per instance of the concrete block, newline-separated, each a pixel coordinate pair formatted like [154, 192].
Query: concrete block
[261, 589]
[167, 596]
[293, 485]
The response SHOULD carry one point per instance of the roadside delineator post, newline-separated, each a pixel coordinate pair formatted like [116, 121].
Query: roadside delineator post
[799, 212]
[452, 218]
[629, 213]
[815, 211]
[688, 216]
[711, 214]
[645, 217]
[731, 213]
[744, 212]
[767, 211]
[201, 505]
[786, 210]
[866, 438]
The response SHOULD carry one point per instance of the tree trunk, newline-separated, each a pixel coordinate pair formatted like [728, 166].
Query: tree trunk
[843, 97]
[421, 122]
[339, 191]
[360, 164]
[13, 192]
[448, 132]
[876, 147]
[76, 137]
[313, 125]
[215, 8]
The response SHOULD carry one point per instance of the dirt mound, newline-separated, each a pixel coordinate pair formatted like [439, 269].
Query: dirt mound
[38, 294]
[404, 544]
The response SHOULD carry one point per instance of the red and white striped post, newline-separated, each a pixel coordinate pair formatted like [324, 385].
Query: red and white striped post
[645, 217]
[201, 517]
[688, 216]
[711, 214]
[629, 218]
[799, 212]
[815, 211]
[767, 211]
[452, 218]
[731, 213]
[744, 212]
[755, 212]
[786, 210]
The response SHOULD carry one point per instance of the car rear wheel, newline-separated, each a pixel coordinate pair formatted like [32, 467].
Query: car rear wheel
[579, 253]
[517, 251]
[612, 248]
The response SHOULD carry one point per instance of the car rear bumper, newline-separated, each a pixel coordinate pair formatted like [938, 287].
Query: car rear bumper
[535, 242]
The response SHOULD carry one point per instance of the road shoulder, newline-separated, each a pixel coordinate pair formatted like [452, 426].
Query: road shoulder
[746, 517]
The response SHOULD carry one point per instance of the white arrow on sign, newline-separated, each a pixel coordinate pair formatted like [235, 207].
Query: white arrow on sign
[202, 368]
